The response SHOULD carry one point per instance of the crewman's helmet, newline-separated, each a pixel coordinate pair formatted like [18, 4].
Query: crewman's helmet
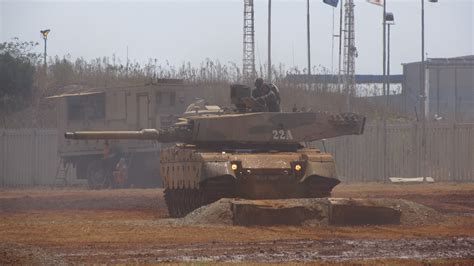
[258, 82]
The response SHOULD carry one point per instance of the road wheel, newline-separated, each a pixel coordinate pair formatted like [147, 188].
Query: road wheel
[170, 199]
[187, 201]
[181, 201]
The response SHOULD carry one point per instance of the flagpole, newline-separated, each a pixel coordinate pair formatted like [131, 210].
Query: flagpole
[309, 39]
[423, 94]
[339, 78]
[384, 115]
[269, 68]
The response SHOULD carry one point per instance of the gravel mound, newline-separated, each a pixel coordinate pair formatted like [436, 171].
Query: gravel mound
[217, 213]
[414, 213]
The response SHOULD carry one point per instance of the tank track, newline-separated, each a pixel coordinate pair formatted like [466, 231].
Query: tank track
[181, 201]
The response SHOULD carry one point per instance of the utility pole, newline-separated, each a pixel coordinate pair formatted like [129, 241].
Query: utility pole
[269, 75]
[309, 39]
[423, 106]
[422, 70]
[423, 93]
[126, 68]
[390, 20]
[384, 88]
[332, 44]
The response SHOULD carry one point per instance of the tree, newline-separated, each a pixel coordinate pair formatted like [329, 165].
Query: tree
[17, 68]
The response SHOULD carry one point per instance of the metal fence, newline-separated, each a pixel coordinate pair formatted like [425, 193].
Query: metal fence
[449, 152]
[29, 156]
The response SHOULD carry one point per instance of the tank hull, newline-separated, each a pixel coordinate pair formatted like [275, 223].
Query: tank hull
[195, 177]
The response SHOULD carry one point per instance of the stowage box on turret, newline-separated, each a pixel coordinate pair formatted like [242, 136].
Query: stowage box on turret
[221, 153]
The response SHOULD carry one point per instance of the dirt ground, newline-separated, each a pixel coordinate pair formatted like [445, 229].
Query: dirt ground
[50, 226]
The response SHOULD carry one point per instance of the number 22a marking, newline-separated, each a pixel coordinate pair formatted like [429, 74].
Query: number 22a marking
[282, 134]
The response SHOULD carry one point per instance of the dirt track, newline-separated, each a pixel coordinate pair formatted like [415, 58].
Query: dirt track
[52, 226]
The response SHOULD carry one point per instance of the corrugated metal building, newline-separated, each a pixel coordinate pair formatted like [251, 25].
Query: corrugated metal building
[449, 88]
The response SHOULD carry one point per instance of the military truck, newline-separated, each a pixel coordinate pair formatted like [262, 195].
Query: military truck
[236, 153]
[105, 163]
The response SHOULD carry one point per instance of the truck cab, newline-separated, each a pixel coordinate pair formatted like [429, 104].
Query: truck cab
[118, 108]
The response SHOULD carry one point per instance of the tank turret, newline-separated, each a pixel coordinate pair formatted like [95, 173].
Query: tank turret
[234, 130]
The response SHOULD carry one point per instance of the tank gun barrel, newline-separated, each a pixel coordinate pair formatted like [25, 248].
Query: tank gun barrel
[145, 134]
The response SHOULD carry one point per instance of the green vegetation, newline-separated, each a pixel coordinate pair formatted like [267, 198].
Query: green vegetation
[17, 70]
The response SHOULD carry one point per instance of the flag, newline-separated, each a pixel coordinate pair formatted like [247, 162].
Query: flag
[376, 2]
[331, 2]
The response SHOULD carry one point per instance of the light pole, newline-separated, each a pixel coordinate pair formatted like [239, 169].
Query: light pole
[45, 38]
[423, 66]
[388, 20]
[309, 39]
[423, 90]
[384, 91]
[269, 73]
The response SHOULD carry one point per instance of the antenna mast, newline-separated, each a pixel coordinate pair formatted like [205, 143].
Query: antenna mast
[248, 69]
[350, 52]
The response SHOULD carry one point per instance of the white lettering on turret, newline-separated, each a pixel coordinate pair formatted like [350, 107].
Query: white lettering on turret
[282, 134]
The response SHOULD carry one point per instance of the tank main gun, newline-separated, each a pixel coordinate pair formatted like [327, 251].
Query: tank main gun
[168, 135]
[145, 134]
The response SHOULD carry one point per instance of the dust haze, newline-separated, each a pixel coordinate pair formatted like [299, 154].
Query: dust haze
[183, 132]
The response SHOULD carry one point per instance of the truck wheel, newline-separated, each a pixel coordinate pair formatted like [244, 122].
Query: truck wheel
[96, 176]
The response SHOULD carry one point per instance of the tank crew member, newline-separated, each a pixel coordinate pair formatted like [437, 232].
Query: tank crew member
[267, 95]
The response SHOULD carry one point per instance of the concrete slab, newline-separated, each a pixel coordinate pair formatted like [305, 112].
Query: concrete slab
[314, 212]
[279, 212]
[362, 212]
[329, 211]
[409, 180]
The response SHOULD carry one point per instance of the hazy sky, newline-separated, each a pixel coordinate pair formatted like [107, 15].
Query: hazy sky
[191, 30]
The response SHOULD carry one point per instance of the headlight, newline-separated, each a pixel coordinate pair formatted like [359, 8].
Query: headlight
[298, 167]
[234, 166]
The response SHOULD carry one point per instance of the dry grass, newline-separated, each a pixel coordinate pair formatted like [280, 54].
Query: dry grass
[211, 78]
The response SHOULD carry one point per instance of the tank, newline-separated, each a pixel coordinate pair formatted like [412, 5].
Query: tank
[234, 152]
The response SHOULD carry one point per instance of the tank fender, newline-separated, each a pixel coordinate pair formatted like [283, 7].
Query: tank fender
[324, 169]
[213, 169]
